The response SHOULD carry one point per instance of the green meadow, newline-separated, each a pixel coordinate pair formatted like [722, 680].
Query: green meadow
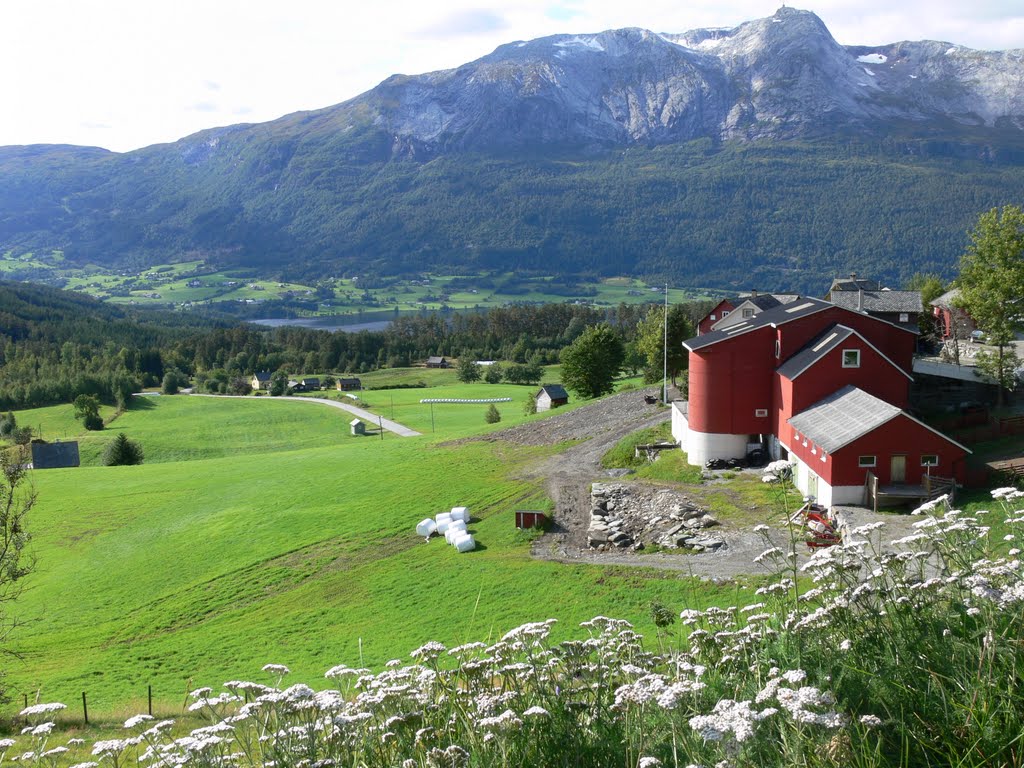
[261, 531]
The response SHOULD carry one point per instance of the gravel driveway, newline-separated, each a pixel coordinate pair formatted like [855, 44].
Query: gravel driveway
[569, 475]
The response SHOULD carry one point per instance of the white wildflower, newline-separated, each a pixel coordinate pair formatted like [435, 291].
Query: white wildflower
[276, 669]
[871, 721]
[131, 722]
[42, 709]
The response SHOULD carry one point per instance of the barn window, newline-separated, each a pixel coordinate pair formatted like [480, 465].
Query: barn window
[904, 317]
[760, 413]
[867, 461]
[778, 348]
[748, 312]
[725, 313]
[713, 317]
[929, 460]
[851, 358]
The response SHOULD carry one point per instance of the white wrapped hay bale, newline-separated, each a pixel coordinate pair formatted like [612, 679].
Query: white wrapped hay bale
[442, 516]
[465, 543]
[455, 530]
[442, 526]
[426, 527]
[460, 513]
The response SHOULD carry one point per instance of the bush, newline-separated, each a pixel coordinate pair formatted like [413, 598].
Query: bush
[22, 435]
[530, 405]
[92, 422]
[493, 415]
[493, 374]
[121, 451]
[8, 424]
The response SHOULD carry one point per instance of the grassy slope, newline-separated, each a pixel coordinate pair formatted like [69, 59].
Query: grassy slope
[207, 569]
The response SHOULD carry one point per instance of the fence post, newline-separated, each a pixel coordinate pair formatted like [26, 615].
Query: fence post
[149, 691]
[85, 709]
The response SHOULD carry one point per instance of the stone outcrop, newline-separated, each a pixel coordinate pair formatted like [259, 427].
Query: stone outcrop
[634, 517]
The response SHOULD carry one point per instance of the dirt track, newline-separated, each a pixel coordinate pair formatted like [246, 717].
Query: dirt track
[569, 474]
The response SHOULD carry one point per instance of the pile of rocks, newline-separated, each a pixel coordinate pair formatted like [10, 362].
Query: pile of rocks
[635, 517]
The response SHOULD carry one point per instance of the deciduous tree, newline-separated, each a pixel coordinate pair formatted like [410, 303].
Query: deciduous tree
[650, 342]
[591, 363]
[991, 284]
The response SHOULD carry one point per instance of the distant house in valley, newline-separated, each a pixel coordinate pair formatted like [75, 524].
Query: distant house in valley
[349, 385]
[194, 283]
[551, 396]
[310, 383]
[437, 362]
[261, 380]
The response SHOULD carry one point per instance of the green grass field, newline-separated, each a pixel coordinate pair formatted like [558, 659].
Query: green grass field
[278, 538]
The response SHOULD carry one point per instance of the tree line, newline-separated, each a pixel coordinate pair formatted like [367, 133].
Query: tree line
[55, 346]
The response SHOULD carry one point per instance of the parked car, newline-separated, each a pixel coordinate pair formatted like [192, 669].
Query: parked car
[977, 337]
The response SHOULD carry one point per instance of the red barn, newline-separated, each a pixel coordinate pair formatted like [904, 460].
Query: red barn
[801, 378]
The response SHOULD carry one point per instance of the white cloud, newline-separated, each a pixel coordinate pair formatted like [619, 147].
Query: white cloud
[123, 73]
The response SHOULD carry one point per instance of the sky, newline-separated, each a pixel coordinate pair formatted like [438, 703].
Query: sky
[124, 74]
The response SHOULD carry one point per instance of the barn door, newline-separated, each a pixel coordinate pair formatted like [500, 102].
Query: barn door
[898, 469]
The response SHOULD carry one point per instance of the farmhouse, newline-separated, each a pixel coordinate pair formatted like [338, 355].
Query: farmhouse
[952, 321]
[551, 396]
[437, 362]
[310, 383]
[261, 380]
[736, 309]
[823, 385]
[349, 385]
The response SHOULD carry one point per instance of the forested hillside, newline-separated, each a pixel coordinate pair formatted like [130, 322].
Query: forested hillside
[774, 215]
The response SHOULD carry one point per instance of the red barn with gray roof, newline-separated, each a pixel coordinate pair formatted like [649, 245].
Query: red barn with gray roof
[756, 380]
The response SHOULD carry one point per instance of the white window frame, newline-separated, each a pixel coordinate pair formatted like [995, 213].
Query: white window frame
[855, 352]
[760, 413]
[713, 317]
[904, 317]
[725, 313]
[748, 312]
[778, 349]
[929, 456]
[862, 461]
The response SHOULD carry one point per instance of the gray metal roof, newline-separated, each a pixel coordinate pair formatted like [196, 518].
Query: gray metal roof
[814, 351]
[879, 301]
[555, 391]
[842, 417]
[794, 310]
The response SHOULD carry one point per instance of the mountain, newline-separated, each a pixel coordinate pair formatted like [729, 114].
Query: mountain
[767, 152]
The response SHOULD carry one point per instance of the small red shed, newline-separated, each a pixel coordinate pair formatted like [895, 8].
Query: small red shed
[528, 518]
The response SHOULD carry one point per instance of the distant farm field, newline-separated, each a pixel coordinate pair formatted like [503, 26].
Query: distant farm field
[262, 532]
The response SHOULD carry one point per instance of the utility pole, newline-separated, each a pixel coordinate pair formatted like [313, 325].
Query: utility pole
[664, 374]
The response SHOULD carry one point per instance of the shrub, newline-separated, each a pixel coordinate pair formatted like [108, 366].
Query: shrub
[22, 435]
[493, 374]
[121, 451]
[93, 422]
[8, 424]
[493, 415]
[530, 405]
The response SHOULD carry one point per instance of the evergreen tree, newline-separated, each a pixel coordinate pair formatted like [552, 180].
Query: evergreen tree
[121, 451]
